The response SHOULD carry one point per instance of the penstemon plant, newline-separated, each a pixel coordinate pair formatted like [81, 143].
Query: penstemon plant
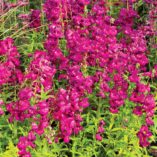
[80, 77]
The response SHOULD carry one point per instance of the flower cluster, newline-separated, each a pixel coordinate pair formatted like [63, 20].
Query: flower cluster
[35, 20]
[141, 96]
[135, 46]
[31, 20]
[100, 130]
[21, 109]
[24, 142]
[143, 135]
[41, 71]
[66, 109]
[91, 41]
[30, 105]
[9, 62]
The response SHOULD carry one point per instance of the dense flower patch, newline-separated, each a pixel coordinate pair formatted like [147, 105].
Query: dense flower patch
[87, 54]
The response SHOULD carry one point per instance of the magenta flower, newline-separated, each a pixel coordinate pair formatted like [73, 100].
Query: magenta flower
[98, 137]
[143, 136]
[35, 20]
